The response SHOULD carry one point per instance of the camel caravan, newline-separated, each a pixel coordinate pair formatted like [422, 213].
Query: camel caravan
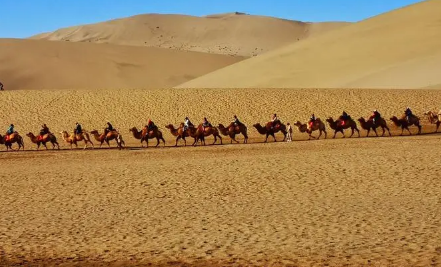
[235, 128]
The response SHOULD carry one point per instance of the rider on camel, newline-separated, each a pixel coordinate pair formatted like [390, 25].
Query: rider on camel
[408, 114]
[344, 118]
[109, 128]
[78, 129]
[10, 130]
[375, 116]
[187, 123]
[151, 125]
[274, 120]
[311, 121]
[44, 130]
[206, 123]
[236, 121]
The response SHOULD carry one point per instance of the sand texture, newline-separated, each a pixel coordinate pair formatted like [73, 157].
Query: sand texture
[341, 202]
[39, 64]
[228, 34]
[398, 49]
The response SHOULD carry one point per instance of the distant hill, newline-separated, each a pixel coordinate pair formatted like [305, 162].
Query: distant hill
[40, 64]
[230, 34]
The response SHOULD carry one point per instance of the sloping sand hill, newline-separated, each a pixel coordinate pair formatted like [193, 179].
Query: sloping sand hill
[334, 202]
[399, 49]
[40, 64]
[231, 34]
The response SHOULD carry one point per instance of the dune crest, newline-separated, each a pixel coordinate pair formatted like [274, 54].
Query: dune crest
[231, 33]
[398, 49]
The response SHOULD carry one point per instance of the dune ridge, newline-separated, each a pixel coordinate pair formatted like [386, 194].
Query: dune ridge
[398, 49]
[230, 34]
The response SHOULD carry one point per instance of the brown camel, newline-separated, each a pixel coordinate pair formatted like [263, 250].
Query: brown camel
[232, 130]
[434, 118]
[43, 139]
[75, 138]
[112, 135]
[143, 136]
[404, 124]
[181, 134]
[202, 132]
[317, 125]
[13, 138]
[269, 130]
[338, 127]
[369, 124]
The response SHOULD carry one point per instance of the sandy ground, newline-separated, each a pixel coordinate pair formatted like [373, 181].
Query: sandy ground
[370, 201]
[359, 201]
[398, 49]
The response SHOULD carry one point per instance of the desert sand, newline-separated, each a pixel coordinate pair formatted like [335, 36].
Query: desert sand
[235, 34]
[398, 49]
[358, 201]
[39, 64]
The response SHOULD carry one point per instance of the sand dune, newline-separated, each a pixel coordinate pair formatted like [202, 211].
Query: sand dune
[231, 34]
[38, 64]
[356, 202]
[399, 49]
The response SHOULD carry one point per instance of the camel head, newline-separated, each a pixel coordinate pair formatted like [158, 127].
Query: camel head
[298, 124]
[133, 129]
[30, 134]
[394, 119]
[94, 132]
[362, 120]
[257, 125]
[169, 126]
[330, 120]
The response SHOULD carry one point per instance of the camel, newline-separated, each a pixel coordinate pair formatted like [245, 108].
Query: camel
[337, 127]
[143, 136]
[404, 124]
[434, 118]
[369, 124]
[232, 130]
[43, 139]
[112, 135]
[269, 130]
[181, 134]
[317, 125]
[202, 132]
[75, 138]
[13, 138]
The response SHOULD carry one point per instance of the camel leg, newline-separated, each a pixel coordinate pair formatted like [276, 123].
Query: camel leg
[38, 146]
[437, 126]
[382, 127]
[375, 131]
[215, 139]
[157, 141]
[352, 132]
[177, 139]
[163, 140]
[343, 133]
[274, 136]
[108, 144]
[335, 133]
[408, 130]
[220, 137]
[368, 131]
[44, 144]
[266, 139]
[388, 131]
[326, 134]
